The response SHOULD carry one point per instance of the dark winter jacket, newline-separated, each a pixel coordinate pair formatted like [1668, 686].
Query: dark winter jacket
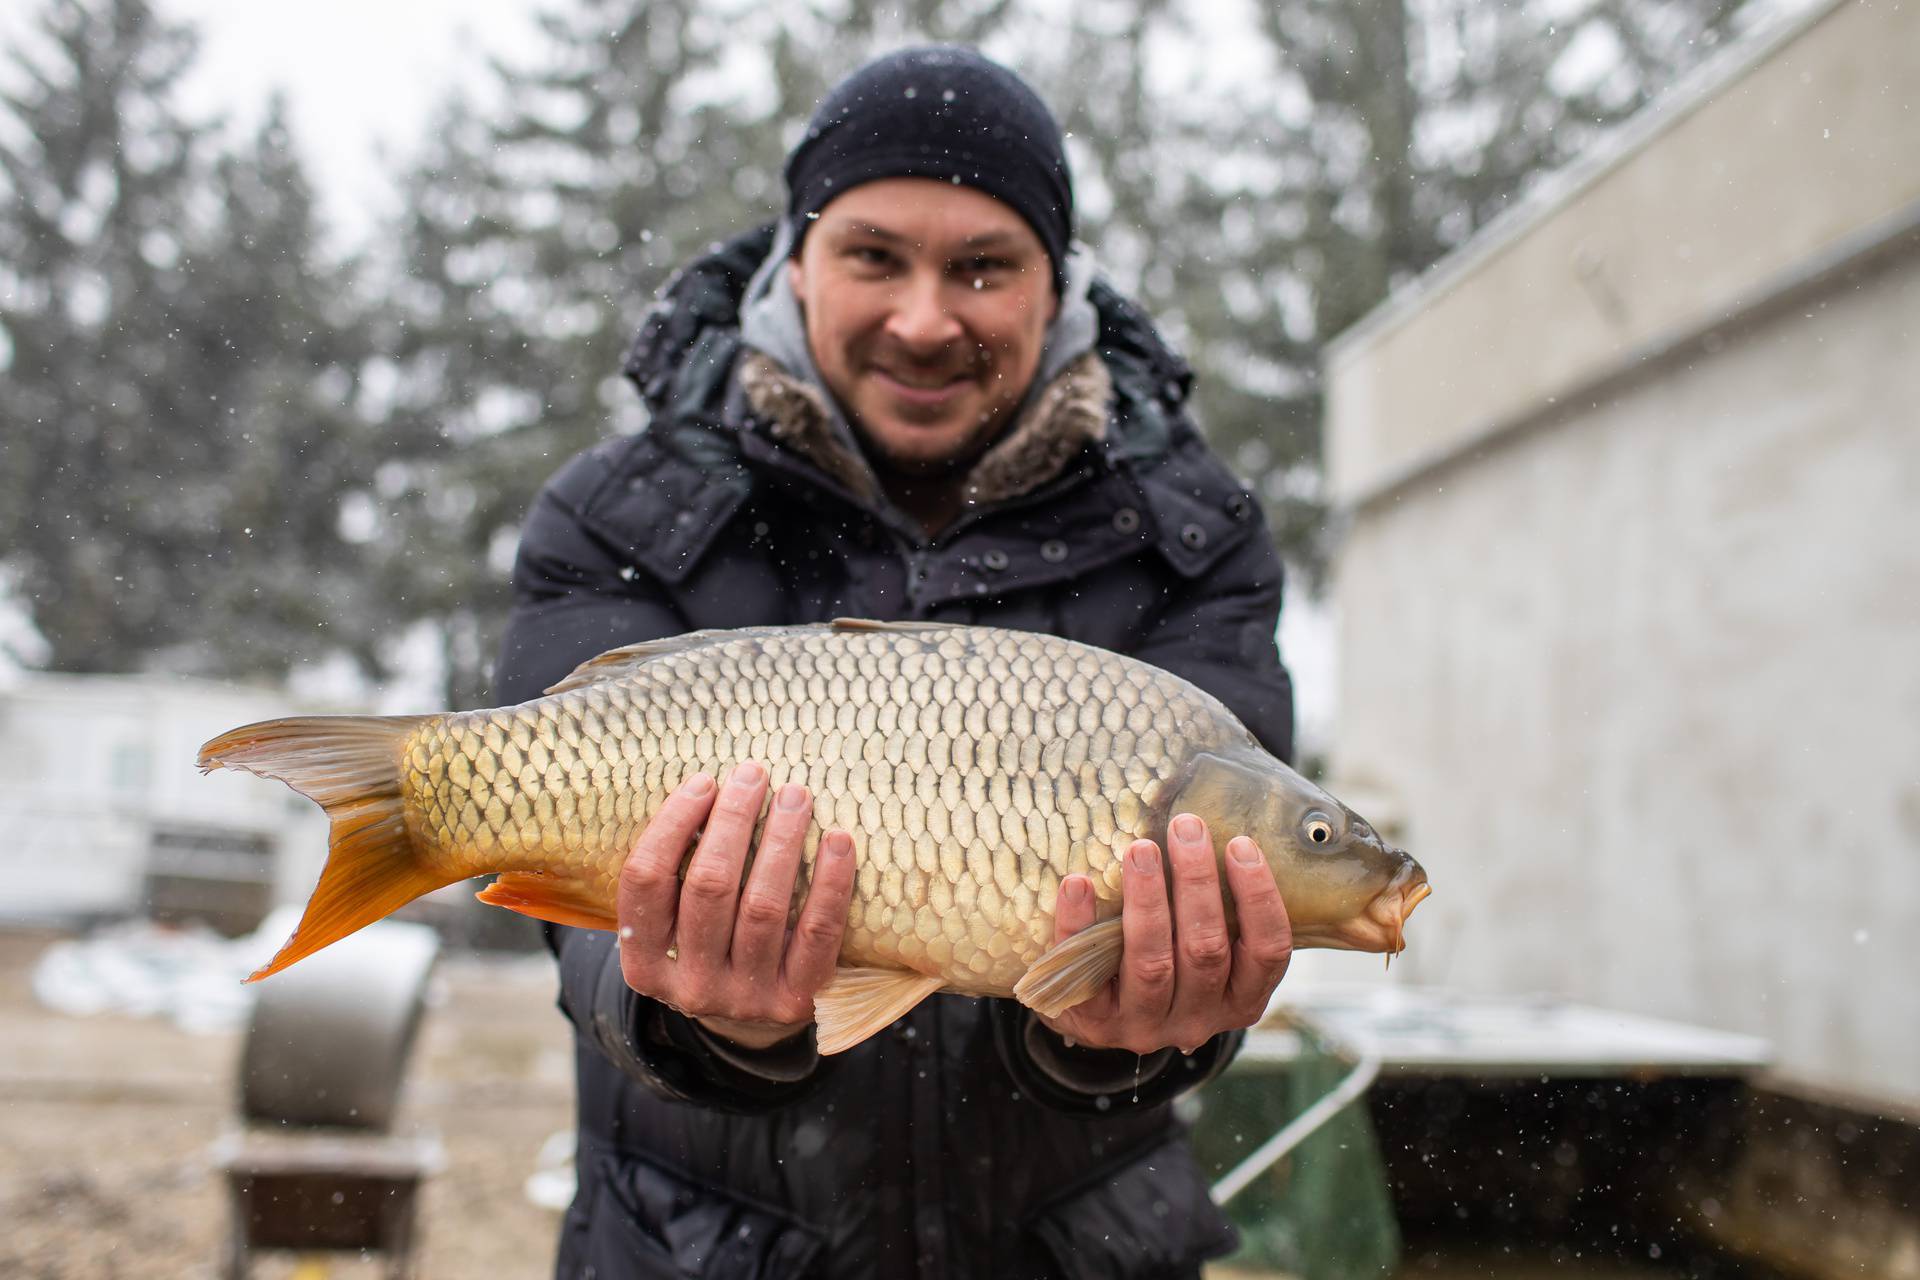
[966, 1141]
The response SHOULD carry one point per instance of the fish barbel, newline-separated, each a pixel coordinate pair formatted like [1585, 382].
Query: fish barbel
[974, 767]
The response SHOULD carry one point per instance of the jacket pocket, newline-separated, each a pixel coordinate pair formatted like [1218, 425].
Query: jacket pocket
[646, 1222]
[1151, 1217]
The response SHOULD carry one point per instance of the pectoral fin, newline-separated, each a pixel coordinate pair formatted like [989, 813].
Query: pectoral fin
[860, 1002]
[556, 898]
[1072, 971]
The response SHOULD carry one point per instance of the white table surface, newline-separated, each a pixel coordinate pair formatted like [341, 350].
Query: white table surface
[1432, 1031]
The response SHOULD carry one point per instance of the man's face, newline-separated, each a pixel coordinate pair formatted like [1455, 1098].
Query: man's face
[926, 307]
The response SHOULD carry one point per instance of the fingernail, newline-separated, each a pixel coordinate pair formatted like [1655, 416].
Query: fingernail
[1074, 891]
[1144, 857]
[792, 796]
[838, 844]
[1244, 851]
[1188, 828]
[747, 773]
[698, 785]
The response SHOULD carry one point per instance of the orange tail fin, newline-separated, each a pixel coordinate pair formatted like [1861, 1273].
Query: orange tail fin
[350, 767]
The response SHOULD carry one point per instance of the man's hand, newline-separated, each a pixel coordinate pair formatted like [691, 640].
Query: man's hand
[1181, 980]
[719, 952]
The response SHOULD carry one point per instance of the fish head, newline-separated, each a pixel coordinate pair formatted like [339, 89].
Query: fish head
[1344, 885]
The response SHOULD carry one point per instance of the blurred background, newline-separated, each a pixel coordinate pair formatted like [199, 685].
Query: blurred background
[1571, 344]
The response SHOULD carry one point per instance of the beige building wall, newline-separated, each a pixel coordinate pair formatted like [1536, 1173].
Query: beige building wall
[1630, 602]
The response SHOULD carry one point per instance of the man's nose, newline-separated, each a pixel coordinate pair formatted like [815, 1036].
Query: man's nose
[921, 320]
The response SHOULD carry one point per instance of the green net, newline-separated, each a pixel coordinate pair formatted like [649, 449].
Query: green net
[1323, 1211]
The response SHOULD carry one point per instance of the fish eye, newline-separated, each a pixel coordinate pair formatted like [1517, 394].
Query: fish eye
[1318, 829]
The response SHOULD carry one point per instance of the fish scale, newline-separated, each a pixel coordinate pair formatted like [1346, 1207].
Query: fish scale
[940, 742]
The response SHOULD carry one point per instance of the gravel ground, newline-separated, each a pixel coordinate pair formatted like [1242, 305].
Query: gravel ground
[106, 1122]
[105, 1125]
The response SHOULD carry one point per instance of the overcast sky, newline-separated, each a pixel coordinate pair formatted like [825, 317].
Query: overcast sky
[360, 75]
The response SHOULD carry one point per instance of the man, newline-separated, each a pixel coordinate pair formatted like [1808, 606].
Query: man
[910, 399]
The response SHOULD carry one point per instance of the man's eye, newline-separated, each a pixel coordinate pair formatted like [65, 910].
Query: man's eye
[868, 256]
[981, 266]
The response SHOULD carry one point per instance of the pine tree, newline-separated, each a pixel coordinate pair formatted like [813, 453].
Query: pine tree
[182, 363]
[102, 446]
[278, 333]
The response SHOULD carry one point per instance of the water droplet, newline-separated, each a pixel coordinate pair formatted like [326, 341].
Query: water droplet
[977, 283]
[912, 92]
[948, 95]
[814, 216]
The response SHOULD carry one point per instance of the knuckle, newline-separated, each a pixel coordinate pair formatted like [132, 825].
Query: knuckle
[708, 883]
[1272, 955]
[1155, 969]
[817, 930]
[1207, 952]
[1257, 890]
[785, 835]
[737, 804]
[641, 874]
[762, 911]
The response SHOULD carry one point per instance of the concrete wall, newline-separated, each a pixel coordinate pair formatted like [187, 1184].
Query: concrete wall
[1634, 637]
[1759, 166]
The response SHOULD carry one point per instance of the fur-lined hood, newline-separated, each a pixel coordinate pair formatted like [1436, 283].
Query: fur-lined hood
[1068, 415]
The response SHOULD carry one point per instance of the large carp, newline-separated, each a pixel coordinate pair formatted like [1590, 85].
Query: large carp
[974, 768]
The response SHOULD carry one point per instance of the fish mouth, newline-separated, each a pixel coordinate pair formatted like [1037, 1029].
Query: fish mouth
[1412, 894]
[1381, 928]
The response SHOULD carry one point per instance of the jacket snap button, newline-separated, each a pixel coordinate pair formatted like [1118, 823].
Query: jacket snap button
[1239, 506]
[995, 560]
[1126, 519]
[1053, 551]
[1194, 536]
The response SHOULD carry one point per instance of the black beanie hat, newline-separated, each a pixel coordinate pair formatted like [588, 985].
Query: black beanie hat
[939, 111]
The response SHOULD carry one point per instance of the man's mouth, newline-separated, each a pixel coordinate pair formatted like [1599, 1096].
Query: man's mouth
[920, 389]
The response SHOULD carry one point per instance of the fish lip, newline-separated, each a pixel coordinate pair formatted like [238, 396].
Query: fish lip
[1415, 892]
[1381, 928]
